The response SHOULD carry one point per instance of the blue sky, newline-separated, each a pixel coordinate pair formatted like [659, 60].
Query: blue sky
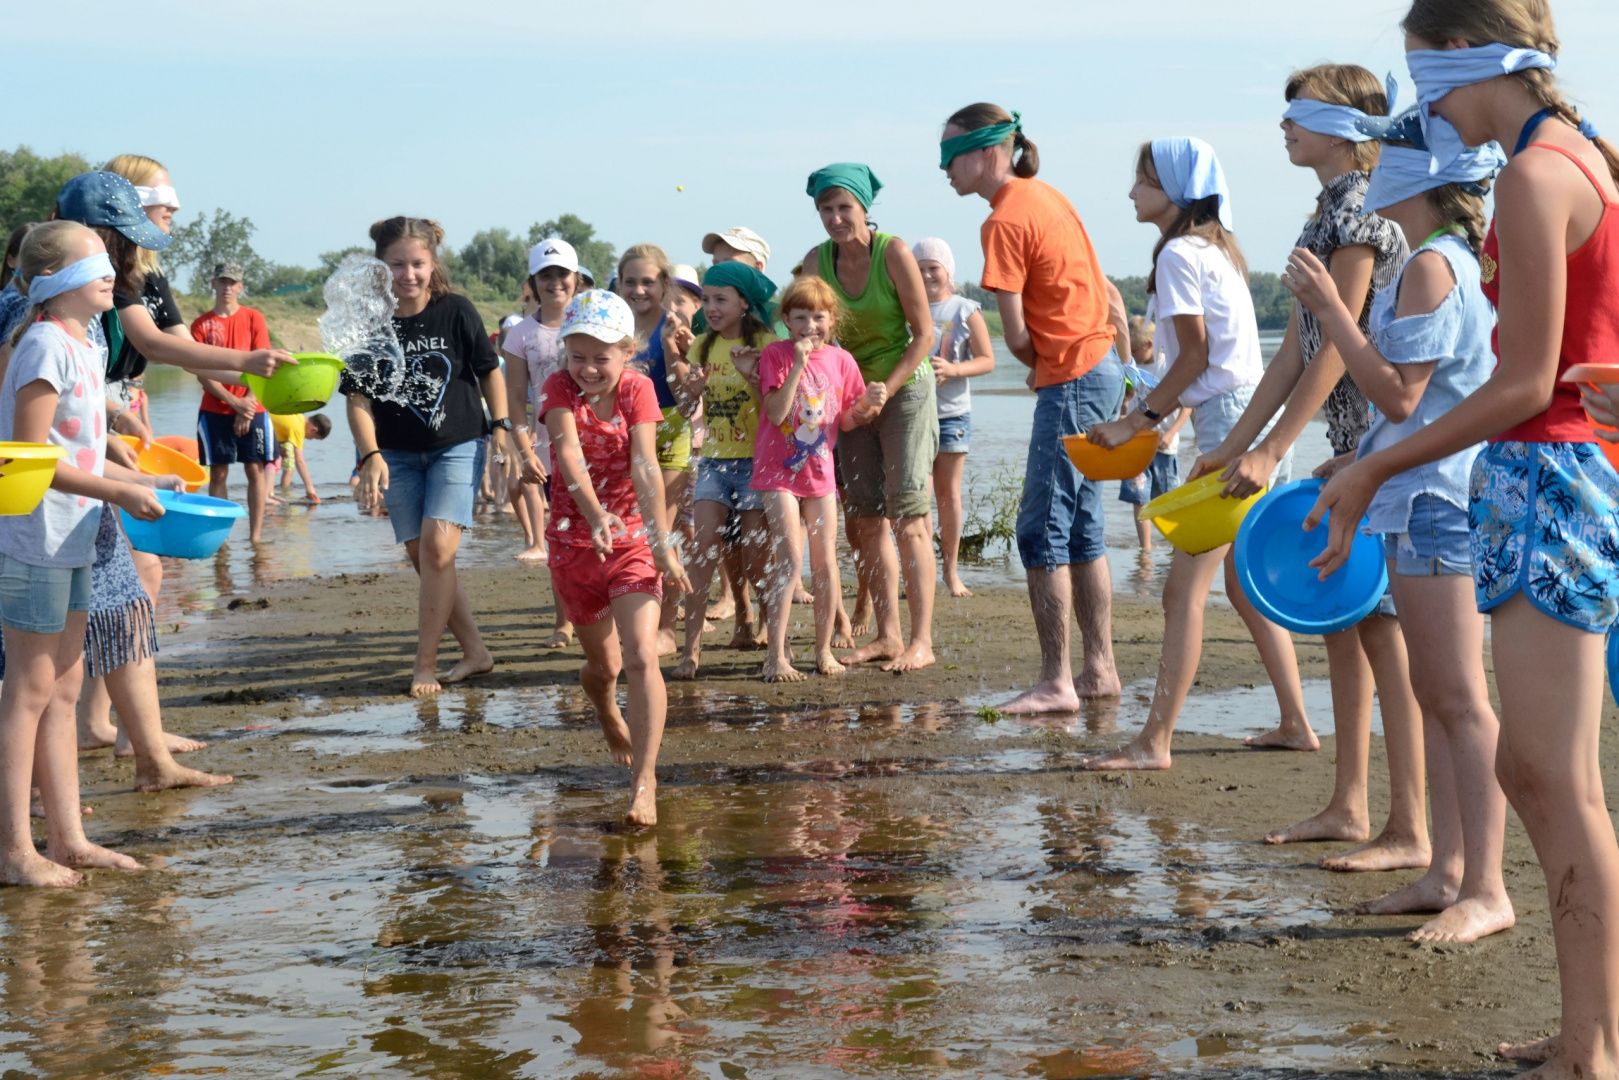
[316, 118]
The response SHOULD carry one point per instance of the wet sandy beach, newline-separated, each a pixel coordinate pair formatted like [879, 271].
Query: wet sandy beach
[860, 876]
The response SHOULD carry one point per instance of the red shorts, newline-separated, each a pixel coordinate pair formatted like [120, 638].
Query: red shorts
[586, 586]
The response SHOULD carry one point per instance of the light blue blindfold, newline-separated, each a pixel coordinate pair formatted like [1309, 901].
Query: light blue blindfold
[74, 276]
[1403, 172]
[1324, 119]
[1189, 170]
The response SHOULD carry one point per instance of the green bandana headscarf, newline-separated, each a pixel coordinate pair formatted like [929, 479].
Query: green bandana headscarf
[858, 180]
[994, 135]
[755, 288]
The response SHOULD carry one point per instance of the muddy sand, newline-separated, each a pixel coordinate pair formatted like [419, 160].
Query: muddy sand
[852, 876]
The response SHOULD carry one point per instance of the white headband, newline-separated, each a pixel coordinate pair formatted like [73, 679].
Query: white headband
[163, 195]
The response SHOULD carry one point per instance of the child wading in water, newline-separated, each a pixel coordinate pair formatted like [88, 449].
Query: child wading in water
[964, 351]
[812, 390]
[736, 300]
[609, 534]
[54, 392]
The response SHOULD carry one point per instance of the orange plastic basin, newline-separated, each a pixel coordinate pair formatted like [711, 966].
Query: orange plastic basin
[164, 460]
[1121, 463]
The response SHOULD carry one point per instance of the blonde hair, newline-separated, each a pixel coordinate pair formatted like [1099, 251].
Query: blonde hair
[1345, 84]
[1523, 24]
[1141, 331]
[139, 170]
[651, 253]
[389, 231]
[46, 247]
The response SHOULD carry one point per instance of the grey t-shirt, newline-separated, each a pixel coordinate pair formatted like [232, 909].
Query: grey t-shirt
[950, 329]
[61, 532]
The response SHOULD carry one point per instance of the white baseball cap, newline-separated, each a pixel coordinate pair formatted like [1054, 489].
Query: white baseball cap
[682, 274]
[601, 314]
[743, 239]
[552, 252]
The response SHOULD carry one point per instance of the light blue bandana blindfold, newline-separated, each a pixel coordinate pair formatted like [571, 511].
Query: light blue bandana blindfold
[74, 276]
[1324, 119]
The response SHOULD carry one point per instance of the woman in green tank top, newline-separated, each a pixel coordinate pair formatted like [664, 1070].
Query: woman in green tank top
[888, 328]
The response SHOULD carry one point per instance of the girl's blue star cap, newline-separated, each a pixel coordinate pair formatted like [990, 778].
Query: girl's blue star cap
[105, 198]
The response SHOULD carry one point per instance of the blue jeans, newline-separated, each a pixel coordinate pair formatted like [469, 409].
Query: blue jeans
[955, 433]
[1060, 522]
[36, 599]
[1435, 541]
[727, 481]
[432, 484]
[1164, 473]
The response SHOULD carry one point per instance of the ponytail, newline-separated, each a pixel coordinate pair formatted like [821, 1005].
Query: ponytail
[1026, 161]
[1459, 209]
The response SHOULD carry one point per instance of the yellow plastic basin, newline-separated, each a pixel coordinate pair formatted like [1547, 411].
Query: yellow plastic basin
[26, 471]
[1120, 463]
[1195, 518]
[163, 460]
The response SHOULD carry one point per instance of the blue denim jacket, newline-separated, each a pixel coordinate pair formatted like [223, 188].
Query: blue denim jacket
[1455, 338]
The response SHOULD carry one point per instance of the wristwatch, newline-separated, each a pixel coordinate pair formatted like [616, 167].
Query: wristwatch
[504, 423]
[1148, 413]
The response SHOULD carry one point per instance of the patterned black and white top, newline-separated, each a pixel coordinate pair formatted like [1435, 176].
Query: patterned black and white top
[1340, 221]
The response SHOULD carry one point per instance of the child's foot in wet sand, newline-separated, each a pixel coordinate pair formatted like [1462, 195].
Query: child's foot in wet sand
[957, 589]
[1384, 853]
[746, 636]
[802, 596]
[1136, 757]
[173, 776]
[668, 644]
[644, 805]
[1289, 735]
[1329, 824]
[1042, 699]
[424, 684]
[842, 629]
[177, 744]
[98, 735]
[559, 639]
[33, 869]
[721, 609]
[827, 664]
[860, 625]
[686, 670]
[780, 669]
[917, 655]
[480, 663]
[534, 556]
[1466, 921]
[1536, 1050]
[617, 734]
[85, 856]
[36, 806]
[880, 649]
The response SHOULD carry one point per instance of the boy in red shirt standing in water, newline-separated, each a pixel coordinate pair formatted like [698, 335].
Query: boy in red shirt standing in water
[231, 424]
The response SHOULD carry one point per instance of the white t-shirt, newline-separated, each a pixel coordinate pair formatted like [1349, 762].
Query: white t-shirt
[61, 532]
[540, 346]
[950, 316]
[1196, 278]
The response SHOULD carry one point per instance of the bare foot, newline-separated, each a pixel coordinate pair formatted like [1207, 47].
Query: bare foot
[1105, 684]
[92, 855]
[96, 738]
[1384, 853]
[880, 649]
[1329, 824]
[1136, 757]
[1430, 892]
[177, 744]
[667, 645]
[686, 670]
[424, 684]
[533, 556]
[827, 664]
[33, 869]
[780, 669]
[36, 806]
[176, 776]
[1042, 698]
[802, 596]
[1466, 921]
[644, 806]
[1285, 737]
[917, 655]
[842, 629]
[1538, 1050]
[721, 609]
[954, 584]
[481, 663]
[746, 636]
[559, 639]
[618, 737]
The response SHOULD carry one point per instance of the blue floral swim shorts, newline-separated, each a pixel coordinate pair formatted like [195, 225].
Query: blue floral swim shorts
[1543, 521]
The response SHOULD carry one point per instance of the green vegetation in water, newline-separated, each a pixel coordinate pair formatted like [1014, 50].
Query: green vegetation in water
[989, 516]
[989, 714]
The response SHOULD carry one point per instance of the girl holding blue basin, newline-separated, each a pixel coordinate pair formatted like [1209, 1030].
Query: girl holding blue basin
[1430, 348]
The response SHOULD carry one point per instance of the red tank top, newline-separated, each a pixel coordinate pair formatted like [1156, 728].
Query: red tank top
[1590, 319]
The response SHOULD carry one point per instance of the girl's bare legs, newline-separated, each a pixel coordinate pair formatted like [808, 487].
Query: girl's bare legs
[700, 567]
[636, 615]
[1445, 634]
[529, 503]
[1346, 816]
[1293, 731]
[599, 678]
[786, 573]
[674, 493]
[864, 601]
[1550, 677]
[947, 470]
[821, 521]
[133, 690]
[38, 741]
[738, 571]
[876, 563]
[442, 603]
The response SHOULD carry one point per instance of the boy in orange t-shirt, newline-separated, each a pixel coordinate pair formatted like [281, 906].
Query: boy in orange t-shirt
[231, 424]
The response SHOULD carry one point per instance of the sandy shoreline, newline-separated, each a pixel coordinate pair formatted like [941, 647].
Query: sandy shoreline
[1148, 930]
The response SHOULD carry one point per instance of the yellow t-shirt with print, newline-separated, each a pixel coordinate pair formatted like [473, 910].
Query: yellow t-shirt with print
[730, 407]
[288, 429]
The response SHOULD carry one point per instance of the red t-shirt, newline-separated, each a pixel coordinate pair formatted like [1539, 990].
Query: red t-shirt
[245, 330]
[606, 446]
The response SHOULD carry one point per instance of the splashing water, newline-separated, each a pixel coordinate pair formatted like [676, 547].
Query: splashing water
[358, 327]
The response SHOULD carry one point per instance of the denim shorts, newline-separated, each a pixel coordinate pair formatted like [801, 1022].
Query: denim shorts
[1164, 473]
[1060, 521]
[955, 432]
[1213, 420]
[36, 599]
[437, 484]
[1435, 541]
[726, 481]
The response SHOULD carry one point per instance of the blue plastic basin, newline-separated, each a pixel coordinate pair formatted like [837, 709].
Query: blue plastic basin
[192, 526]
[1273, 554]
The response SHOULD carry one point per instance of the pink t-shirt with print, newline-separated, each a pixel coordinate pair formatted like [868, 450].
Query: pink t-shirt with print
[606, 446]
[796, 455]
